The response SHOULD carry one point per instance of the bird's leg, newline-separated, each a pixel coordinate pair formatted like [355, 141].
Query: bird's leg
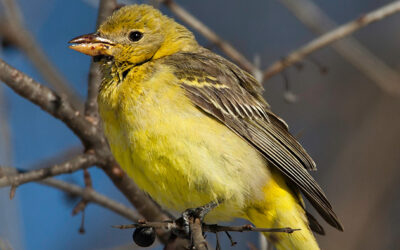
[199, 212]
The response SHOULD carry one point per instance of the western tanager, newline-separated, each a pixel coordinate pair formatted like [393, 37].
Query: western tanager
[190, 127]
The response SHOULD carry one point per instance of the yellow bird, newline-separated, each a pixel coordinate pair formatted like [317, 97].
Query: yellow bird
[191, 128]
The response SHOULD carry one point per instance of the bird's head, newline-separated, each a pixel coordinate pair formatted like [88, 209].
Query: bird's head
[135, 34]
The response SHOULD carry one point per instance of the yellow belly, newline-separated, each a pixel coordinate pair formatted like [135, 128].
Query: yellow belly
[179, 155]
[184, 159]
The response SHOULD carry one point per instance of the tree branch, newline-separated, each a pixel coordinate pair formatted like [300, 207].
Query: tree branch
[86, 131]
[49, 101]
[6, 146]
[193, 22]
[387, 81]
[197, 228]
[21, 37]
[76, 163]
[106, 8]
[197, 234]
[87, 194]
[213, 228]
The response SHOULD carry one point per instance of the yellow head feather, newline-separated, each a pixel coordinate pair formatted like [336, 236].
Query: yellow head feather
[161, 35]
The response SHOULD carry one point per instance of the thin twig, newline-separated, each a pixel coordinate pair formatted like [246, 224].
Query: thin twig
[92, 138]
[74, 164]
[348, 47]
[233, 243]
[336, 34]
[94, 197]
[80, 207]
[106, 8]
[89, 134]
[62, 156]
[213, 228]
[196, 24]
[82, 227]
[24, 40]
[197, 229]
[88, 194]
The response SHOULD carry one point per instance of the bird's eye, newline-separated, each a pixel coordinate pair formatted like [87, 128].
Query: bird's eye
[135, 36]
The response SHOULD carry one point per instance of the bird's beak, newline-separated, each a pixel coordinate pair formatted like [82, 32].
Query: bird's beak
[92, 45]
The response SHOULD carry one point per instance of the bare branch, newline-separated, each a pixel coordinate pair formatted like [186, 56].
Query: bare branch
[79, 162]
[138, 198]
[49, 101]
[6, 146]
[143, 204]
[106, 8]
[62, 156]
[388, 81]
[89, 195]
[193, 22]
[197, 234]
[17, 33]
[91, 108]
[213, 228]
[5, 245]
[91, 137]
[81, 206]
[92, 196]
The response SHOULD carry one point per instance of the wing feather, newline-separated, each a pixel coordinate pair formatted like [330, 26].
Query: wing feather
[233, 96]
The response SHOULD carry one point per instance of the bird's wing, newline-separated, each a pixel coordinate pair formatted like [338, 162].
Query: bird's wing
[231, 95]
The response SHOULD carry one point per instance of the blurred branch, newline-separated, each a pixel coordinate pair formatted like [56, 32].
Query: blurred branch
[5, 245]
[106, 8]
[92, 196]
[74, 164]
[13, 30]
[49, 101]
[6, 146]
[387, 79]
[193, 22]
[91, 136]
[68, 153]
[89, 195]
[82, 204]
[372, 151]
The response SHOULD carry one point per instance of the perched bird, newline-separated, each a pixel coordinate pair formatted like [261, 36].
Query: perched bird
[191, 128]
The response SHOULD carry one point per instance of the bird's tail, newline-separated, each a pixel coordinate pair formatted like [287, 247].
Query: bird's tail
[283, 208]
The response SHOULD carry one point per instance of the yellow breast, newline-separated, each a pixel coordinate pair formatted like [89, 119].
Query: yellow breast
[179, 155]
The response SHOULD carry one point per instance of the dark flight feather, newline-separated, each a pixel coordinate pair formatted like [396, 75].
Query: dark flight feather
[233, 96]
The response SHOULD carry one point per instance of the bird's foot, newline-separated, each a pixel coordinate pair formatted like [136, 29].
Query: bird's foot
[199, 212]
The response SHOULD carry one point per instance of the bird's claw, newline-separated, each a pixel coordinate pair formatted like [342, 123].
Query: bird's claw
[199, 212]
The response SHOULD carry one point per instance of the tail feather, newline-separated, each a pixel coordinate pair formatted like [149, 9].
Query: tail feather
[314, 225]
[282, 208]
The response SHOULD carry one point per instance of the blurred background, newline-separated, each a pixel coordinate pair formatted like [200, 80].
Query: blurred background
[340, 114]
